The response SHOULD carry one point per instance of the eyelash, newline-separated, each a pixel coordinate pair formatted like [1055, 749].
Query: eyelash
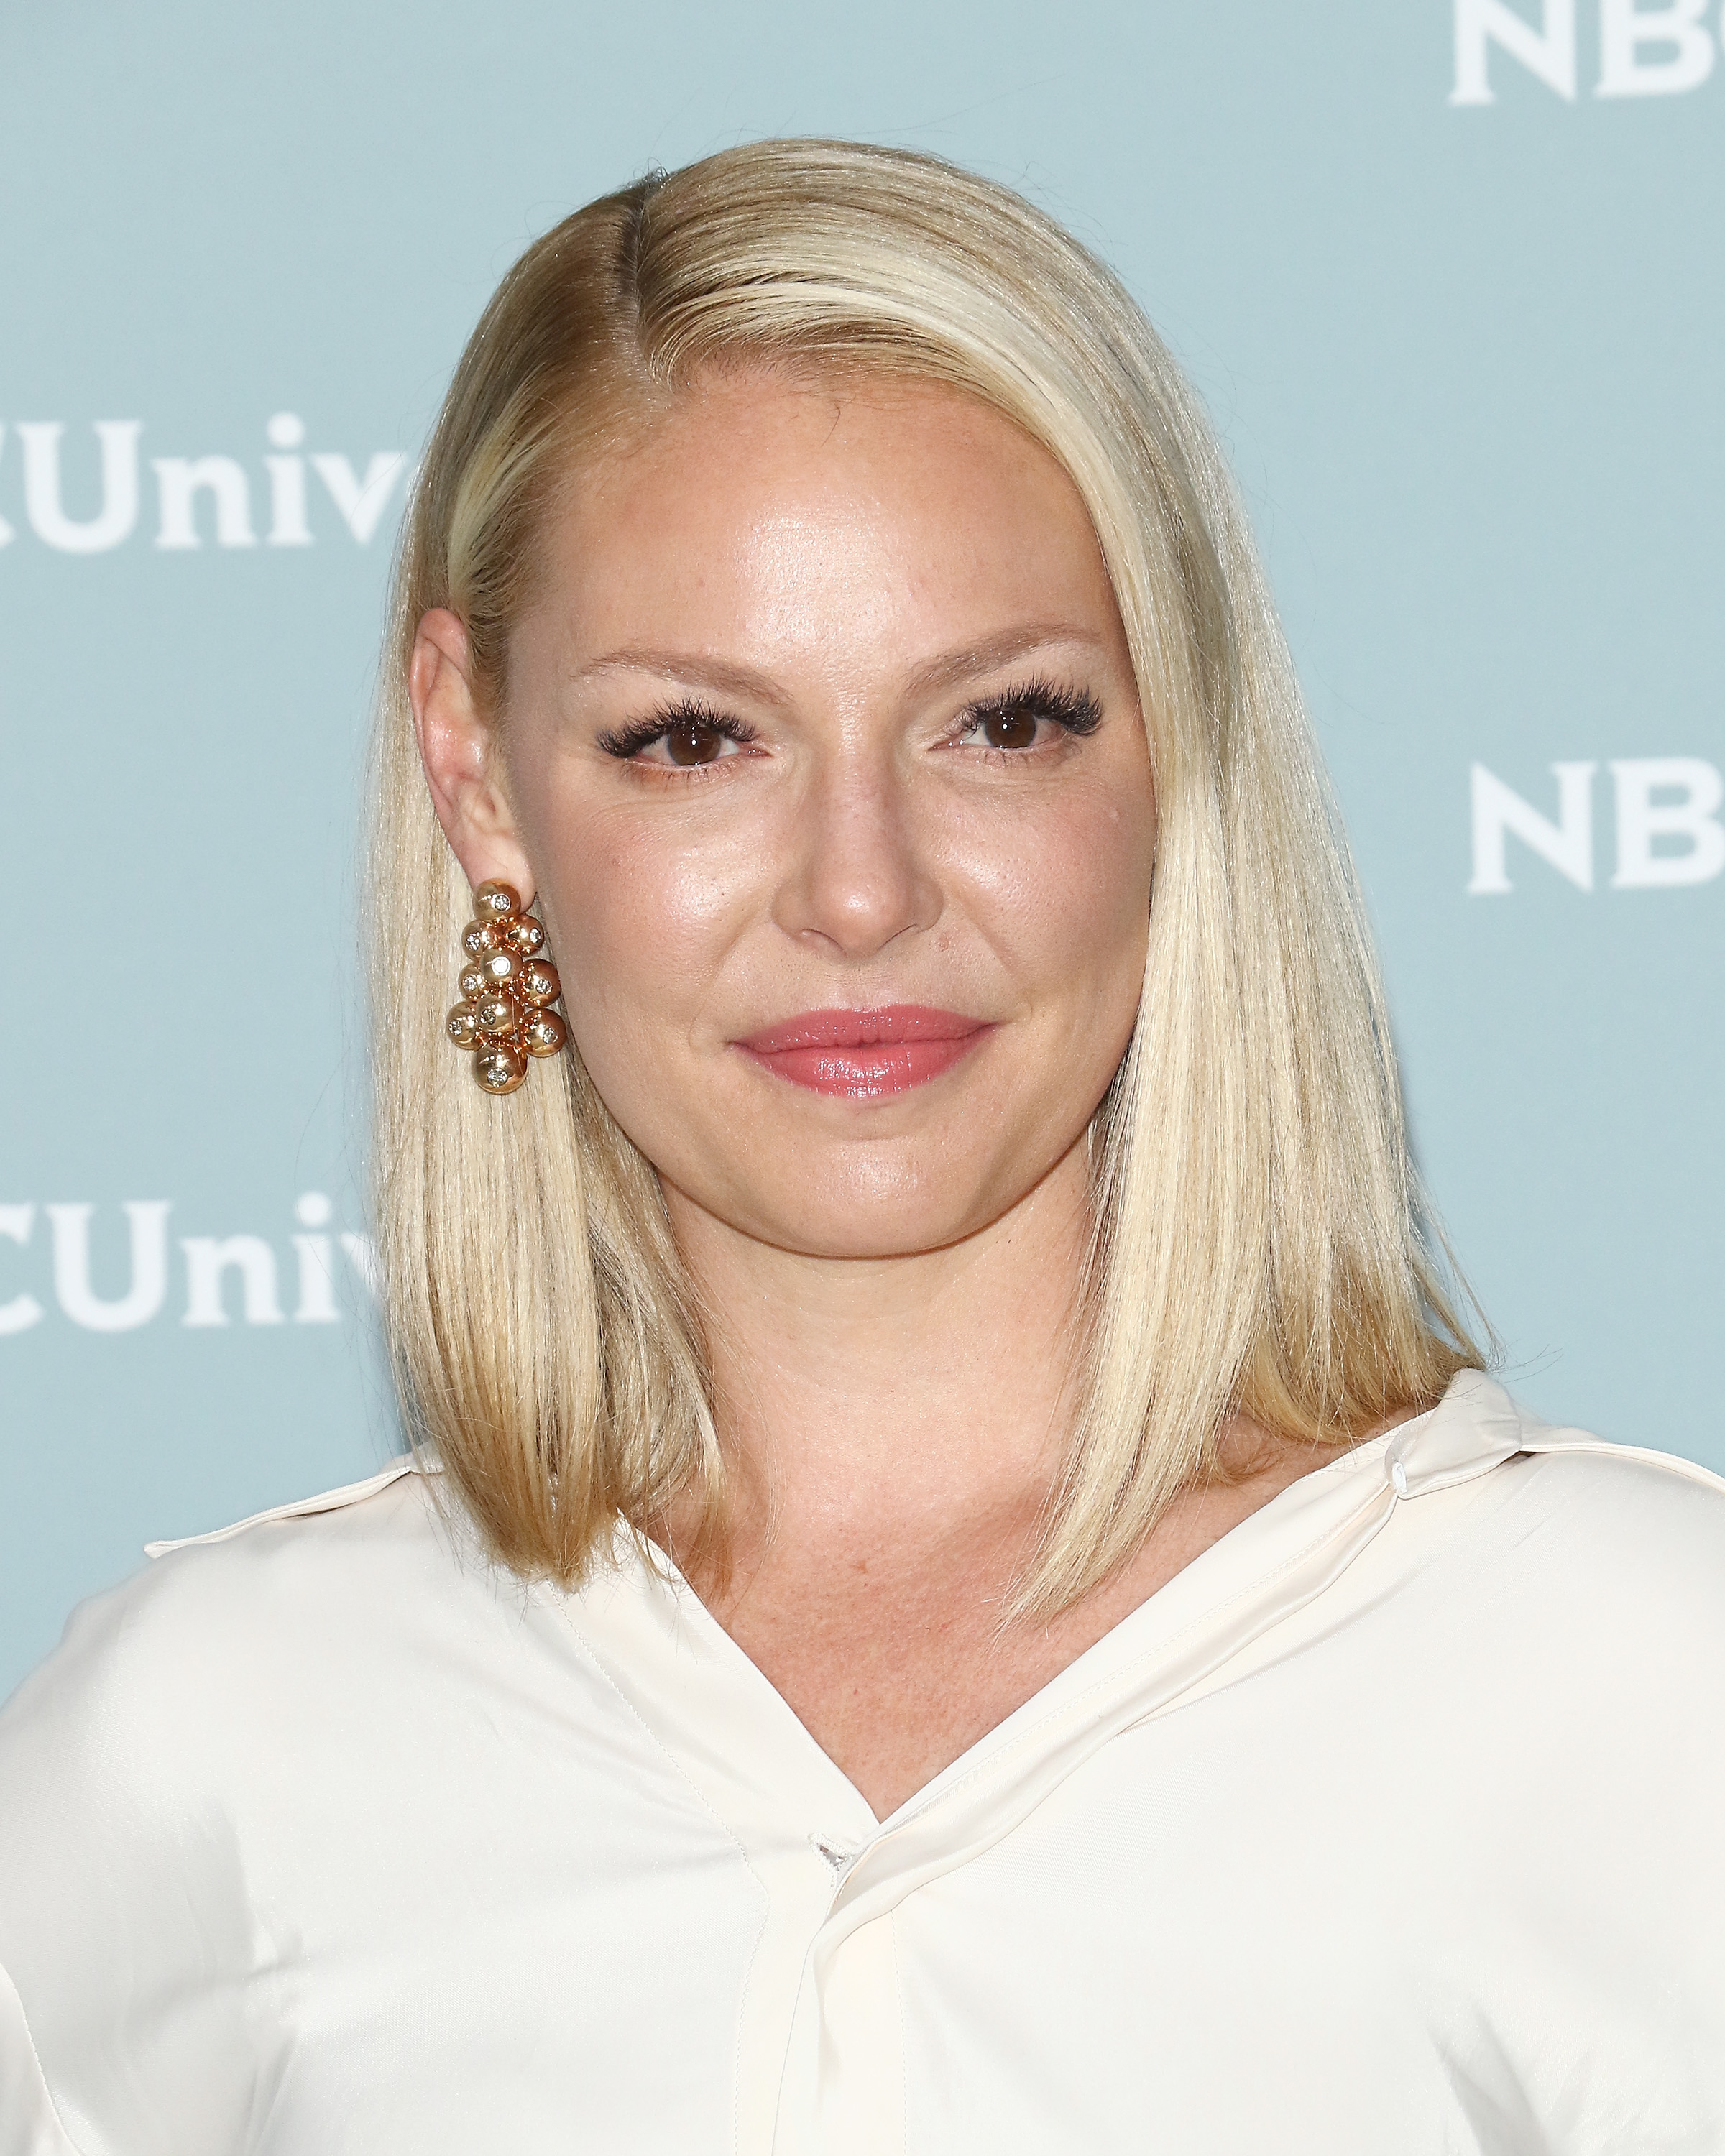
[629, 741]
[1075, 711]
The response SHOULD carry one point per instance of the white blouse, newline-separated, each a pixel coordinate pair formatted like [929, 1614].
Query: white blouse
[1390, 1827]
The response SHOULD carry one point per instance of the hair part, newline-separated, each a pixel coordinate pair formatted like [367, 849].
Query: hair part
[1258, 1242]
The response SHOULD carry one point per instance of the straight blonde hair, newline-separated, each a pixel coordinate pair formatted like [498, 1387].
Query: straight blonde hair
[1257, 1243]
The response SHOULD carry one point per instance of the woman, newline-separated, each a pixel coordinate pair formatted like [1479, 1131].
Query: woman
[960, 1587]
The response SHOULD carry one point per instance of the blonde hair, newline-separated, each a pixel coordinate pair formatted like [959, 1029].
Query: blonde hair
[1257, 1245]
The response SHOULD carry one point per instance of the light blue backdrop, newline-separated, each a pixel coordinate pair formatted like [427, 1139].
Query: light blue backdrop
[1465, 350]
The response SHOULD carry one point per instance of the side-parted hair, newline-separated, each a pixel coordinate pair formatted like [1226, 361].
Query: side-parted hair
[1258, 1244]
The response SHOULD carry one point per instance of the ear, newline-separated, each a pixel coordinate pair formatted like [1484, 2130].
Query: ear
[455, 747]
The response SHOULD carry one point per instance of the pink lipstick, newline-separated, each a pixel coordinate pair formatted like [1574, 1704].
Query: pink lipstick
[866, 1055]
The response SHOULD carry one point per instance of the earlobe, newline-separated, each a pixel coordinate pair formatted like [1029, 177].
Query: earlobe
[455, 749]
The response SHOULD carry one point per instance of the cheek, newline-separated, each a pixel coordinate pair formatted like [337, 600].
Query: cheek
[1063, 892]
[646, 915]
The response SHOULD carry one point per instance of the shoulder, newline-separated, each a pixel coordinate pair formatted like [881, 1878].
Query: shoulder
[322, 1557]
[138, 1762]
[1635, 1520]
[156, 1664]
[226, 1707]
[1569, 1536]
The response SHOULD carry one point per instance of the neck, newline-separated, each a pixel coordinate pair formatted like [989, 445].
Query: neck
[876, 1401]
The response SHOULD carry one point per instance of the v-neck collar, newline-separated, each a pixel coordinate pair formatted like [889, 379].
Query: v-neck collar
[744, 1746]
[731, 1730]
[829, 1872]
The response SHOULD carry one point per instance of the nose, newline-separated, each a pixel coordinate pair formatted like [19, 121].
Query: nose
[857, 875]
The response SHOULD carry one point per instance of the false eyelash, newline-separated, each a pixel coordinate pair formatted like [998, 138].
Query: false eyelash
[1076, 709]
[687, 711]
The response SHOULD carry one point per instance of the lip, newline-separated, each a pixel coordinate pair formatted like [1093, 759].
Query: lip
[866, 1054]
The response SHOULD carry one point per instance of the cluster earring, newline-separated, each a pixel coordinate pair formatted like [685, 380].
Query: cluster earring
[507, 986]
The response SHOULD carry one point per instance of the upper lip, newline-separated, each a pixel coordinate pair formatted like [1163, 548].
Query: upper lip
[884, 1026]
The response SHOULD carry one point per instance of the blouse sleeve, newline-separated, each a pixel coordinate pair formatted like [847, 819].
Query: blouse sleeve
[122, 1906]
[29, 2125]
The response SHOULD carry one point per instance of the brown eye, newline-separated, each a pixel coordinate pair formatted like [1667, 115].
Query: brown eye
[692, 742]
[1013, 728]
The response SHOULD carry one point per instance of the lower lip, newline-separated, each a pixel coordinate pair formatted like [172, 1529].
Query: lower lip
[873, 1072]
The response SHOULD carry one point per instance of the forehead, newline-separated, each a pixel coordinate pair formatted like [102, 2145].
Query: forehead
[779, 509]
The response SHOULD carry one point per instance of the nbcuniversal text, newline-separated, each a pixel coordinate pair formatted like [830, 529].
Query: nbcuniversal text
[109, 1278]
[85, 497]
[1642, 47]
[1665, 810]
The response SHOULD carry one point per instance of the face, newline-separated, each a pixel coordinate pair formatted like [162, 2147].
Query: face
[823, 754]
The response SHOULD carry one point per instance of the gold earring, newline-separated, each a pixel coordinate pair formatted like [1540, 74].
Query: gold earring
[507, 987]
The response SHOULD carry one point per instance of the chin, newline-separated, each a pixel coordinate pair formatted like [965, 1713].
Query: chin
[861, 1240]
[875, 1216]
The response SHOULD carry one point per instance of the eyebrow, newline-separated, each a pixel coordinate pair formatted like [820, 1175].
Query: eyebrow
[928, 678]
